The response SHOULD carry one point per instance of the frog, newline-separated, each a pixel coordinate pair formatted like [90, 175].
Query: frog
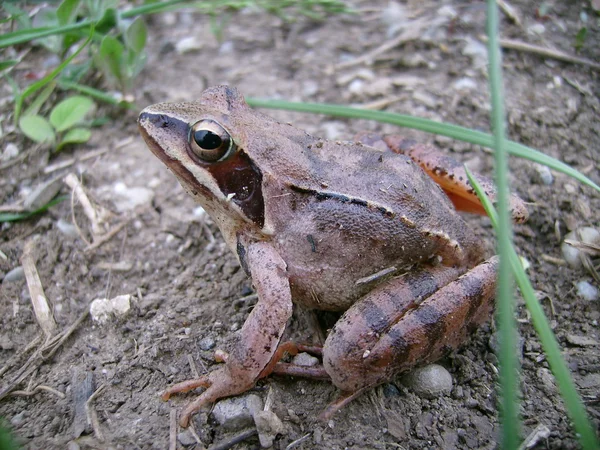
[370, 228]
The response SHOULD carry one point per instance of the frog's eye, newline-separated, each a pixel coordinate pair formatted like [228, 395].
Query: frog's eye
[209, 141]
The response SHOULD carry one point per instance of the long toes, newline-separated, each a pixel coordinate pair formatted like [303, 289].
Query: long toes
[186, 386]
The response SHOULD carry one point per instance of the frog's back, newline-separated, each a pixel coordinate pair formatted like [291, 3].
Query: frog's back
[357, 212]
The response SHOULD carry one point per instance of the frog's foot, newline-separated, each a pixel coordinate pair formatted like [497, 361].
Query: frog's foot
[219, 383]
[294, 370]
[410, 321]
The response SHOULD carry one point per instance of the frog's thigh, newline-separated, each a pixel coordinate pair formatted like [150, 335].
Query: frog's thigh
[409, 321]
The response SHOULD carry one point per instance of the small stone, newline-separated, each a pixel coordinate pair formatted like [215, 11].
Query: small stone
[186, 438]
[570, 189]
[188, 44]
[537, 28]
[43, 193]
[73, 445]
[430, 381]
[309, 88]
[128, 198]
[332, 129]
[237, 412]
[17, 419]
[465, 84]
[67, 228]
[305, 360]
[268, 425]
[15, 274]
[10, 151]
[543, 174]
[580, 341]
[570, 253]
[102, 309]
[587, 291]
[207, 343]
[390, 390]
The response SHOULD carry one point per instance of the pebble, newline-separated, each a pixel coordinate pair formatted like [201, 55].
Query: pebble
[67, 228]
[543, 174]
[43, 193]
[10, 151]
[588, 235]
[581, 341]
[186, 438]
[188, 44]
[102, 309]
[237, 412]
[430, 381]
[390, 390]
[207, 343]
[128, 198]
[465, 84]
[268, 425]
[587, 291]
[15, 274]
[305, 360]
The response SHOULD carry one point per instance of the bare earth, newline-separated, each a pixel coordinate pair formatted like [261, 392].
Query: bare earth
[188, 290]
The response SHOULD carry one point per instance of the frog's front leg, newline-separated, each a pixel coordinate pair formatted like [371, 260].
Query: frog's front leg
[409, 321]
[257, 340]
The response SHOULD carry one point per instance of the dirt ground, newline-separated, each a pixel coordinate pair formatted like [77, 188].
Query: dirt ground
[188, 293]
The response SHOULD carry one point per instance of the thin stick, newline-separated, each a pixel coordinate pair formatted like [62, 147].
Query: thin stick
[173, 429]
[41, 309]
[547, 52]
[92, 417]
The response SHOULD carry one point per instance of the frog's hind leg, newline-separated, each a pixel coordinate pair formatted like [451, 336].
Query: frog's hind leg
[409, 321]
[452, 177]
[448, 173]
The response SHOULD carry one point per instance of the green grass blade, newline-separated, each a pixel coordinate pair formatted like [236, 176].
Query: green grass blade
[505, 303]
[430, 126]
[32, 88]
[13, 217]
[21, 36]
[96, 94]
[566, 386]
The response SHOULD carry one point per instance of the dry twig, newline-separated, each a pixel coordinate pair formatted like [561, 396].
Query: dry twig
[546, 52]
[41, 309]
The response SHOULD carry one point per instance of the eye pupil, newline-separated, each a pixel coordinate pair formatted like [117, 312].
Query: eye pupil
[208, 140]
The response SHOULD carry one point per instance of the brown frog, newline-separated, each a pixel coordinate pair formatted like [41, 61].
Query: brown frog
[371, 230]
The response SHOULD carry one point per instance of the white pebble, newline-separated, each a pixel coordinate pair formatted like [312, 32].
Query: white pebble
[102, 309]
[587, 291]
[588, 235]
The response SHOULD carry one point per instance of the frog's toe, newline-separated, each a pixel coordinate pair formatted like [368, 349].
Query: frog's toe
[186, 386]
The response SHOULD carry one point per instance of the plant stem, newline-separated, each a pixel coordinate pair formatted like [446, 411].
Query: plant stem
[509, 402]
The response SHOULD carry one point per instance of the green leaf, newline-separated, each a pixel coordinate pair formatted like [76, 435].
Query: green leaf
[74, 136]
[108, 21]
[67, 12]
[109, 59]
[37, 129]
[69, 112]
[580, 38]
[135, 35]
